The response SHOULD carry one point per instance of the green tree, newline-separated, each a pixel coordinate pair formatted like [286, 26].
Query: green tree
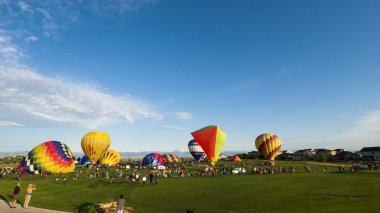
[322, 158]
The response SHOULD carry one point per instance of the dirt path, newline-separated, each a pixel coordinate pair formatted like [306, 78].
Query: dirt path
[5, 208]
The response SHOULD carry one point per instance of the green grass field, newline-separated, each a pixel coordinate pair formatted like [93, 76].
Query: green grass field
[292, 192]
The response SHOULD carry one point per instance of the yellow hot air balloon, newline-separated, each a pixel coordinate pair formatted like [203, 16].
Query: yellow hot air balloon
[111, 158]
[211, 139]
[268, 145]
[95, 144]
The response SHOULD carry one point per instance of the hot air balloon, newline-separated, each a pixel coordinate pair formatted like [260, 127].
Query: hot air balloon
[195, 150]
[235, 158]
[51, 157]
[175, 158]
[268, 145]
[84, 160]
[211, 139]
[111, 158]
[95, 144]
[171, 158]
[153, 159]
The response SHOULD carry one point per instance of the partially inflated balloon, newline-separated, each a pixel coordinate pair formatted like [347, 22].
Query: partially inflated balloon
[171, 158]
[195, 150]
[95, 144]
[84, 160]
[153, 159]
[175, 158]
[111, 158]
[235, 158]
[268, 145]
[51, 157]
[211, 139]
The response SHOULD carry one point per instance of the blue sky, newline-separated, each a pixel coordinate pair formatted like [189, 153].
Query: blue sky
[150, 72]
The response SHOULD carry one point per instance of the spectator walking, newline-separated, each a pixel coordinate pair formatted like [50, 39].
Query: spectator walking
[156, 179]
[151, 178]
[120, 204]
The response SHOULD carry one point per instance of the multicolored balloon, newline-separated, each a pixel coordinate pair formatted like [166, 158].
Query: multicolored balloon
[95, 144]
[171, 158]
[111, 158]
[268, 145]
[195, 150]
[235, 158]
[153, 159]
[51, 157]
[211, 139]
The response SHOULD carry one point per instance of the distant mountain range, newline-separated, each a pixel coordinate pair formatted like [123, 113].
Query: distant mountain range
[125, 155]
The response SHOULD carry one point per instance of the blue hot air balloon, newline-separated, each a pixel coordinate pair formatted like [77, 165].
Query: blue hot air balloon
[84, 161]
[195, 150]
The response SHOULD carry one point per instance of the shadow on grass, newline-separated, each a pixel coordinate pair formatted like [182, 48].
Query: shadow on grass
[86, 207]
[7, 200]
[344, 196]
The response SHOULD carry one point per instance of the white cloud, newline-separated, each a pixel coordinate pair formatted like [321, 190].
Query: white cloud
[183, 115]
[28, 94]
[120, 6]
[366, 132]
[10, 123]
[36, 99]
[31, 39]
[47, 18]
[25, 7]
[175, 128]
[9, 53]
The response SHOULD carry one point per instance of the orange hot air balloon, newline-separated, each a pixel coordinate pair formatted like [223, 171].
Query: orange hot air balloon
[211, 139]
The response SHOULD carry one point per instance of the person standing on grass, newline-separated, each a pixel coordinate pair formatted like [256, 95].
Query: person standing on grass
[156, 179]
[151, 178]
[28, 195]
[120, 204]
[144, 180]
[16, 192]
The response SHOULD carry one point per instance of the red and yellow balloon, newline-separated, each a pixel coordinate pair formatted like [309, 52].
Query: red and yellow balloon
[268, 145]
[211, 139]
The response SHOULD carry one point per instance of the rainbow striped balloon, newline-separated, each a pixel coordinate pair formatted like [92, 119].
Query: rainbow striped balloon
[268, 145]
[51, 157]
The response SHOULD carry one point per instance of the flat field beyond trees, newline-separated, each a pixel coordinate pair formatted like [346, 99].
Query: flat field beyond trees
[317, 191]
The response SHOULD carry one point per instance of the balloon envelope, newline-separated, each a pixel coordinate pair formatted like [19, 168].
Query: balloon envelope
[211, 139]
[171, 158]
[153, 159]
[84, 160]
[268, 145]
[235, 158]
[51, 156]
[95, 144]
[195, 150]
[111, 158]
